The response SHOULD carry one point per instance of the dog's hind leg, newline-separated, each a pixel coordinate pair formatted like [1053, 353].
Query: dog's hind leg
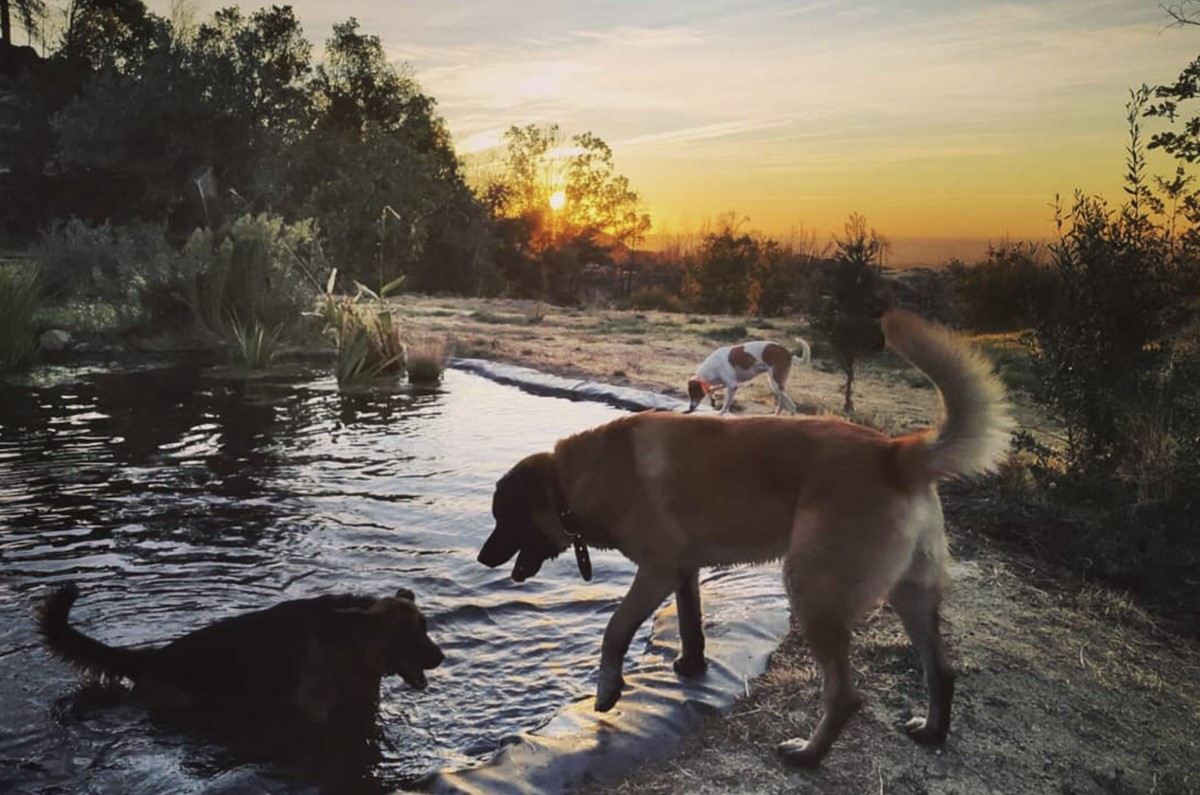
[782, 401]
[917, 604]
[648, 591]
[830, 642]
[691, 660]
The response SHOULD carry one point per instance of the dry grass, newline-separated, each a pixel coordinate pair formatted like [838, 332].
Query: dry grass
[427, 356]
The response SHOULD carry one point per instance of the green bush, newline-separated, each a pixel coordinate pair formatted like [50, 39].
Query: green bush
[655, 298]
[726, 333]
[366, 334]
[1007, 291]
[129, 268]
[264, 270]
[19, 299]
[256, 345]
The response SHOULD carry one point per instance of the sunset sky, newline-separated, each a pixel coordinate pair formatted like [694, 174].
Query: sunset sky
[939, 120]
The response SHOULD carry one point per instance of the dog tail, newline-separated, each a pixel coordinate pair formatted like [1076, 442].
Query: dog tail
[973, 435]
[806, 359]
[72, 646]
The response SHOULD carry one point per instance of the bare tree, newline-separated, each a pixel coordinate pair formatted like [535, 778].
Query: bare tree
[1185, 13]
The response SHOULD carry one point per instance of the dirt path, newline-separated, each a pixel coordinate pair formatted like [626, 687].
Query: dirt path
[1063, 687]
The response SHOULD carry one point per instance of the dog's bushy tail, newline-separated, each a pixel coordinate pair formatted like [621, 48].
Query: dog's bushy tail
[973, 435]
[72, 646]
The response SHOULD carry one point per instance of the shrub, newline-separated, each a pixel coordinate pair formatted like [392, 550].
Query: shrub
[1103, 349]
[655, 299]
[367, 337]
[255, 272]
[257, 346]
[718, 278]
[1007, 291]
[726, 333]
[427, 360]
[130, 268]
[19, 291]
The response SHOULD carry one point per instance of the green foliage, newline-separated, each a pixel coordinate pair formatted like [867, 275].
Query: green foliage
[130, 268]
[655, 298]
[1105, 346]
[1116, 353]
[137, 121]
[848, 299]
[19, 299]
[718, 279]
[726, 333]
[369, 348]
[741, 273]
[257, 346]
[256, 273]
[1007, 291]
[395, 203]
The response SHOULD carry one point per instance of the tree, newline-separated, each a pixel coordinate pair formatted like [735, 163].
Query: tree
[718, 278]
[112, 34]
[598, 199]
[551, 194]
[29, 14]
[190, 119]
[851, 303]
[378, 170]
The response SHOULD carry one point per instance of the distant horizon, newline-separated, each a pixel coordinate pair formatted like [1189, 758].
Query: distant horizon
[903, 252]
[957, 121]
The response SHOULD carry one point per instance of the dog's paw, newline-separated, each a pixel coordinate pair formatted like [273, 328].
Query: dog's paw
[799, 753]
[608, 690]
[925, 734]
[689, 667]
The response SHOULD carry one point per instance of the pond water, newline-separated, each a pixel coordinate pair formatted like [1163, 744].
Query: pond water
[175, 495]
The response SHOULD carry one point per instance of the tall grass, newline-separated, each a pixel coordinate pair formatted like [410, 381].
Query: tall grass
[369, 348]
[427, 360]
[19, 298]
[256, 345]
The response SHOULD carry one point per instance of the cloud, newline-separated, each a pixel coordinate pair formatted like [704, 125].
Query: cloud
[656, 38]
[701, 133]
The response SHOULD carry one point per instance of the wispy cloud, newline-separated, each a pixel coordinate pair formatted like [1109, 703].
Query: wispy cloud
[701, 133]
[656, 38]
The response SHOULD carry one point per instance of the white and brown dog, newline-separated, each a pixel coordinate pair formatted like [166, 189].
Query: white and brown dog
[731, 366]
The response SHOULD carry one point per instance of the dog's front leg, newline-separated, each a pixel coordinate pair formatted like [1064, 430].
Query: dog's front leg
[648, 591]
[730, 391]
[691, 660]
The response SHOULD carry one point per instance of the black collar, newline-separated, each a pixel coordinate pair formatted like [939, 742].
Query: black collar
[570, 525]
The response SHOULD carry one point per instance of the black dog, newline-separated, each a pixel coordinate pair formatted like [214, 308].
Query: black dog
[320, 660]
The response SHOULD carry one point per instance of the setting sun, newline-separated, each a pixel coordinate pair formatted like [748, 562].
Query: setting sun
[558, 200]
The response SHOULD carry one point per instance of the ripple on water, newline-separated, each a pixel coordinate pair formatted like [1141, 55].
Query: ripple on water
[175, 498]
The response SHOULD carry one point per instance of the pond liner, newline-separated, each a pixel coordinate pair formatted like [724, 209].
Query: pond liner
[539, 383]
[746, 617]
[743, 624]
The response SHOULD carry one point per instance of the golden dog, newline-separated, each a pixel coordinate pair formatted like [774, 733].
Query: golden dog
[854, 513]
[318, 659]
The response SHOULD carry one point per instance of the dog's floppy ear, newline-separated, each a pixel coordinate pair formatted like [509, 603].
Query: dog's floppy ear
[517, 495]
[404, 593]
